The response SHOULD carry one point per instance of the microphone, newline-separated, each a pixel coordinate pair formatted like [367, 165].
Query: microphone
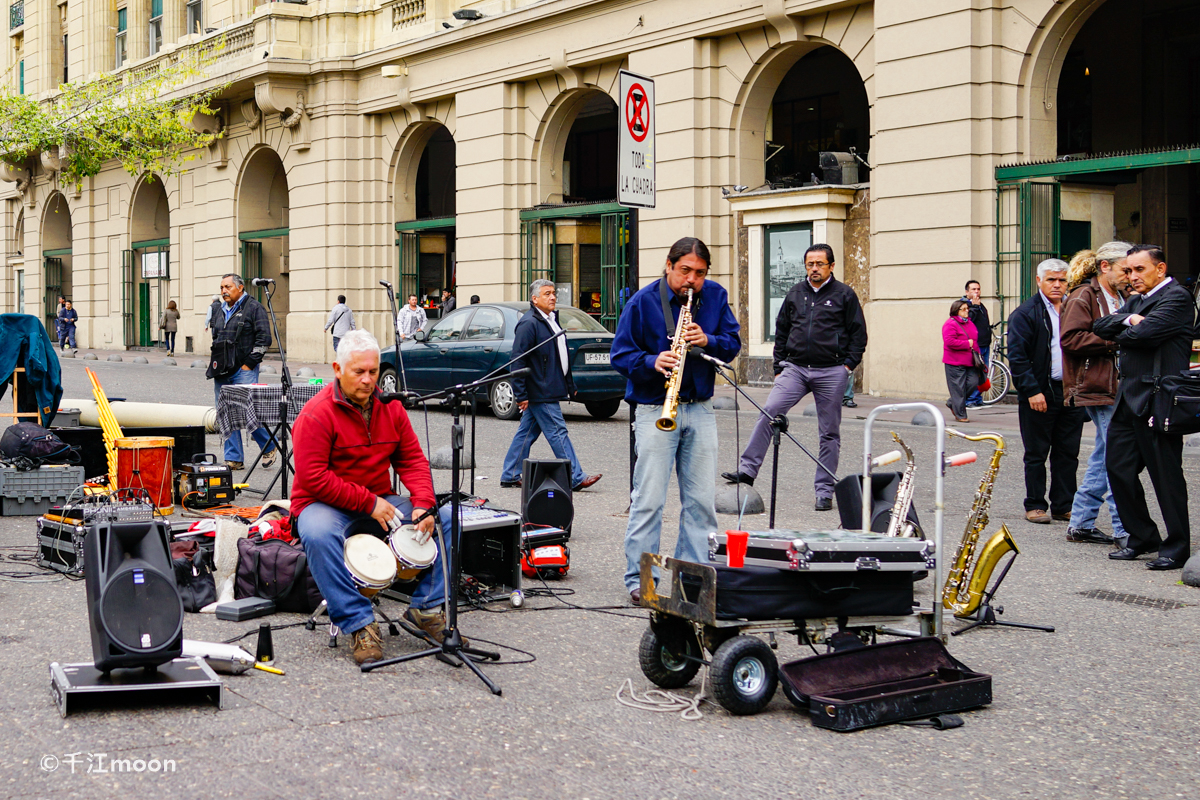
[386, 284]
[262, 281]
[712, 360]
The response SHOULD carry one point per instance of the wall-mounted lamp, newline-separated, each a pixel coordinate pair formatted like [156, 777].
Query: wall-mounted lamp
[394, 71]
[467, 14]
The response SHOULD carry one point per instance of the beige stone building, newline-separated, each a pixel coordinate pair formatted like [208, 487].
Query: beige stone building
[397, 140]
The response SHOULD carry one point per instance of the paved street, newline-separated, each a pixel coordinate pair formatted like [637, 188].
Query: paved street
[1103, 707]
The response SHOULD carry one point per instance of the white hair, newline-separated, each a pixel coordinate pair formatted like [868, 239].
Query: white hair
[1112, 252]
[356, 341]
[1051, 265]
[537, 285]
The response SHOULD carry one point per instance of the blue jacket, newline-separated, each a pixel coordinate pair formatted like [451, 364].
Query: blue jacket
[25, 343]
[545, 382]
[642, 335]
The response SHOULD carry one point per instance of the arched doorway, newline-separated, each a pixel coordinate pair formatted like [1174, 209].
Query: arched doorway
[56, 258]
[425, 204]
[578, 236]
[146, 285]
[263, 218]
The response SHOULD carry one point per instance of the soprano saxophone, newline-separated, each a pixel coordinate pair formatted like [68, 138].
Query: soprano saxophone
[679, 347]
[962, 595]
[899, 525]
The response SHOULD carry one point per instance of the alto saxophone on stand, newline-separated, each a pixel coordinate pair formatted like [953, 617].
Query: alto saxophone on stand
[666, 422]
[899, 525]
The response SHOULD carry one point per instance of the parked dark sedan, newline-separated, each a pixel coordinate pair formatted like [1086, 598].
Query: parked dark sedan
[473, 341]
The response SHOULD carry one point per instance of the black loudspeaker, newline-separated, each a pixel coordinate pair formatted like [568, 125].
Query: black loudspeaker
[546, 493]
[134, 608]
[883, 496]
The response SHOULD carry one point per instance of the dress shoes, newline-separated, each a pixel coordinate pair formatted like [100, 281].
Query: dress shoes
[1164, 563]
[1061, 517]
[738, 477]
[1128, 554]
[1089, 535]
[824, 504]
[511, 484]
[961, 419]
[586, 482]
[1038, 515]
[635, 596]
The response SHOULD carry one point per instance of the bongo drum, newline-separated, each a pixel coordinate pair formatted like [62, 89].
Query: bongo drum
[370, 562]
[411, 556]
[144, 462]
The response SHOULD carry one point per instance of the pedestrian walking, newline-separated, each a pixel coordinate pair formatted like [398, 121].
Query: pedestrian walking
[1098, 285]
[216, 298]
[1049, 429]
[641, 351]
[1154, 331]
[410, 319]
[820, 337]
[474, 299]
[240, 320]
[68, 317]
[539, 393]
[168, 323]
[983, 326]
[341, 320]
[960, 346]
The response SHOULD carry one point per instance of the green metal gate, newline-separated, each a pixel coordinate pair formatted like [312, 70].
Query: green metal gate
[53, 273]
[538, 259]
[143, 314]
[252, 265]
[409, 245]
[1027, 232]
[127, 296]
[614, 266]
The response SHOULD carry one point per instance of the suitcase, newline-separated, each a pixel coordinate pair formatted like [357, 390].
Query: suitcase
[830, 551]
[878, 684]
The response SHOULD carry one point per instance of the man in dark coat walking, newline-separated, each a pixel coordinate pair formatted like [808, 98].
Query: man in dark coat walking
[539, 393]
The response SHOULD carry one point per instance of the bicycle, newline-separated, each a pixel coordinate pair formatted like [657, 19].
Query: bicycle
[999, 375]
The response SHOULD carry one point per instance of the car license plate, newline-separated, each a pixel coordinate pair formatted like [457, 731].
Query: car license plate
[596, 358]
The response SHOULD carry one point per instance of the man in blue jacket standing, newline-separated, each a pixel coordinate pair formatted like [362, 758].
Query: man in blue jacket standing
[539, 393]
[641, 351]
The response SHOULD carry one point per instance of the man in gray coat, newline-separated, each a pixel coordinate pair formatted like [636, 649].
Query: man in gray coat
[341, 320]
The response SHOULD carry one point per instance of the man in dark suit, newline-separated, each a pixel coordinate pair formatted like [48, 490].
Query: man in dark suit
[1048, 428]
[1157, 324]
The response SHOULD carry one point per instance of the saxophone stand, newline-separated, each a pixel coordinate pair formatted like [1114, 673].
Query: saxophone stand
[986, 613]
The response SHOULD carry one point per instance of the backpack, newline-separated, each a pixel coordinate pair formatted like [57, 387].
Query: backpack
[30, 445]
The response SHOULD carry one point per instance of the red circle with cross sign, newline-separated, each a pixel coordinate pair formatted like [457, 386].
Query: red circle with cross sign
[637, 112]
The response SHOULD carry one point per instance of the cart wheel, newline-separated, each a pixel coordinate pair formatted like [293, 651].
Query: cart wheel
[744, 674]
[661, 667]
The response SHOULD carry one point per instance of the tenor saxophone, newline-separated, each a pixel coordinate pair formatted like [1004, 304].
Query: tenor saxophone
[679, 347]
[899, 525]
[962, 595]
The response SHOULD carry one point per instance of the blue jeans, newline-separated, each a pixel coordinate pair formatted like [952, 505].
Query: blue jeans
[692, 449]
[538, 419]
[169, 340]
[233, 444]
[977, 396]
[1094, 486]
[323, 530]
[67, 335]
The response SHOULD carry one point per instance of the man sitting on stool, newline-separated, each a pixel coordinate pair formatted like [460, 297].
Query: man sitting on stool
[346, 438]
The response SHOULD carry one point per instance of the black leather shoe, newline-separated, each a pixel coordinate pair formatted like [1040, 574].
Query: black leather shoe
[1089, 535]
[738, 477]
[511, 484]
[1165, 563]
[1128, 554]
[824, 504]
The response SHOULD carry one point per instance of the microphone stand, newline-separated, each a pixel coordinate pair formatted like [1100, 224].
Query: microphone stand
[283, 428]
[779, 427]
[396, 328]
[452, 643]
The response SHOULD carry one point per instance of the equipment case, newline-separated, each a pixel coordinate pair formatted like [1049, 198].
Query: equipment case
[830, 551]
[60, 546]
[882, 683]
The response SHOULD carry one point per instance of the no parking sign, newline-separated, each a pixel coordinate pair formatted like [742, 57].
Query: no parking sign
[635, 141]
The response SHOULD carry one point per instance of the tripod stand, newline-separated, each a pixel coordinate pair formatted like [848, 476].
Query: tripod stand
[986, 613]
[283, 429]
[452, 644]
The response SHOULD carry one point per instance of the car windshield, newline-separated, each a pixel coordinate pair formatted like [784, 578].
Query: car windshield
[572, 319]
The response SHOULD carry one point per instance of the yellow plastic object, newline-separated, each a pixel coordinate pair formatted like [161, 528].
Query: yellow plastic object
[108, 424]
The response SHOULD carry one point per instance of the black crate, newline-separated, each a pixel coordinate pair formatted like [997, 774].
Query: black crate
[60, 546]
[878, 684]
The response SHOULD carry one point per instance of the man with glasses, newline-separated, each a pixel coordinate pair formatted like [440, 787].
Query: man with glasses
[820, 337]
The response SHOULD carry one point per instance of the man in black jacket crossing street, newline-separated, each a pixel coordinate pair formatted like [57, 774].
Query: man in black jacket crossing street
[539, 393]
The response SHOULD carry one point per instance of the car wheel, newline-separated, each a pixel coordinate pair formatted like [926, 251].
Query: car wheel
[504, 400]
[387, 380]
[602, 409]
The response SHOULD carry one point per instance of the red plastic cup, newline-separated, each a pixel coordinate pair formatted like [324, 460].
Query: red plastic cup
[735, 547]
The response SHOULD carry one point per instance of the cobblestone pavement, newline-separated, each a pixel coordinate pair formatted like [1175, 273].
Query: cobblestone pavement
[1103, 707]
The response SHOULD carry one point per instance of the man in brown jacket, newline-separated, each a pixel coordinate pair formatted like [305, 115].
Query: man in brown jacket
[1090, 376]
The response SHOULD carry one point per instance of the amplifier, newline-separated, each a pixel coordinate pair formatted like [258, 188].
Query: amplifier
[60, 546]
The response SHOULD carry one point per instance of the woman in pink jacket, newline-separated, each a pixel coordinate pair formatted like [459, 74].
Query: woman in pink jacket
[960, 343]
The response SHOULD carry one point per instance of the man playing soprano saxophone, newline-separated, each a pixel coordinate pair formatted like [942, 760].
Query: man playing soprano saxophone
[641, 351]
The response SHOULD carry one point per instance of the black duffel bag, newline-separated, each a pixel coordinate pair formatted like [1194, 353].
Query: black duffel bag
[1175, 404]
[30, 443]
[193, 575]
[275, 570]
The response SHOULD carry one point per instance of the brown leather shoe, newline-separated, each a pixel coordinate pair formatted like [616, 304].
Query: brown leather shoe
[590, 480]
[635, 596]
[431, 623]
[367, 644]
[1038, 515]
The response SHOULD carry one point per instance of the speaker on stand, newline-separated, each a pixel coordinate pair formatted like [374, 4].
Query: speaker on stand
[134, 609]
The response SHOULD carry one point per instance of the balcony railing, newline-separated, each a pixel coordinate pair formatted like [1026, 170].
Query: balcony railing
[16, 15]
[407, 13]
[207, 54]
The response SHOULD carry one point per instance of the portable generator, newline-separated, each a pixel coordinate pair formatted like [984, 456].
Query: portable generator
[544, 552]
[204, 483]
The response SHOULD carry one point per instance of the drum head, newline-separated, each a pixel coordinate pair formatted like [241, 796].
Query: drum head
[404, 544]
[370, 560]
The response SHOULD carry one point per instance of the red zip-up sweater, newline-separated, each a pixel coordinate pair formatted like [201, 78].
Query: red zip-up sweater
[341, 463]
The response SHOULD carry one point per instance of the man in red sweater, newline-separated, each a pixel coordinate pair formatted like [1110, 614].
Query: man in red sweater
[345, 441]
